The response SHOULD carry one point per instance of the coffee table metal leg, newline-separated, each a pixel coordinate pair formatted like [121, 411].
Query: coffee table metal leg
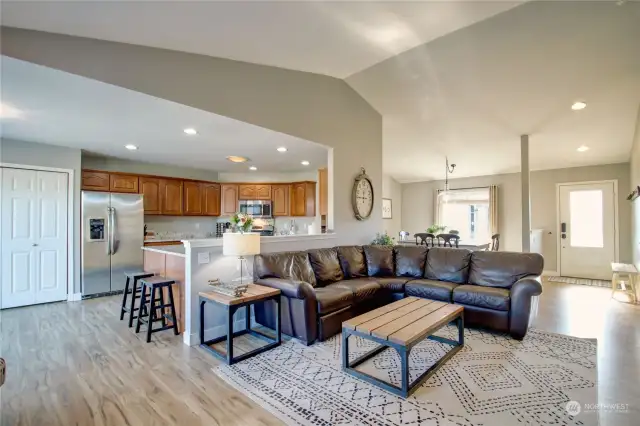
[230, 312]
[278, 326]
[460, 323]
[345, 350]
[404, 369]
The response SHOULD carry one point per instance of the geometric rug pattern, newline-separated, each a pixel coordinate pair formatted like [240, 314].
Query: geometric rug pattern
[581, 281]
[492, 380]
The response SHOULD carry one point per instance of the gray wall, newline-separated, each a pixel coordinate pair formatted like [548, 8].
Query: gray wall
[635, 182]
[113, 164]
[393, 190]
[35, 154]
[317, 108]
[418, 204]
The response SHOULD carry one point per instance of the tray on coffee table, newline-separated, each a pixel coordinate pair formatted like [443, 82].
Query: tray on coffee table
[402, 325]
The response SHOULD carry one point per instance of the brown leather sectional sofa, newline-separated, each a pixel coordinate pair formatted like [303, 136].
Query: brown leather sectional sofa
[324, 287]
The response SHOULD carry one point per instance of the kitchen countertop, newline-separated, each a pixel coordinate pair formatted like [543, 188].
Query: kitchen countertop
[173, 250]
[217, 242]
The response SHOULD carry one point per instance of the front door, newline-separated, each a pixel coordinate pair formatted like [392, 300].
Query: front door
[34, 237]
[587, 229]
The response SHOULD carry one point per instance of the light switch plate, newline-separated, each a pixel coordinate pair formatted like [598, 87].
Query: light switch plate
[203, 257]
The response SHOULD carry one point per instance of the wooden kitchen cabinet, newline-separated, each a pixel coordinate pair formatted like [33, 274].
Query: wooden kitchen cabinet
[123, 183]
[95, 181]
[210, 199]
[263, 192]
[150, 189]
[192, 192]
[247, 192]
[171, 197]
[229, 199]
[303, 199]
[280, 200]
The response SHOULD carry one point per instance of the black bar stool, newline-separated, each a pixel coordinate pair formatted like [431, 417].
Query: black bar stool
[156, 286]
[134, 291]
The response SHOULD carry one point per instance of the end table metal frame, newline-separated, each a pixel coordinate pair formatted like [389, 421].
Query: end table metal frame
[232, 309]
[403, 350]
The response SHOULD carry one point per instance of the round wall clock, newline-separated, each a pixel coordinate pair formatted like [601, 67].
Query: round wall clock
[362, 196]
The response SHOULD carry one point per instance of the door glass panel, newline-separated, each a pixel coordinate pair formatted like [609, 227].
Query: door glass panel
[586, 226]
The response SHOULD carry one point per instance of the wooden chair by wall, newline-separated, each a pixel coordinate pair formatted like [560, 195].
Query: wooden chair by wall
[449, 240]
[495, 242]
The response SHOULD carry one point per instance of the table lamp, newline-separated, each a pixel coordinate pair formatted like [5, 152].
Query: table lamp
[241, 245]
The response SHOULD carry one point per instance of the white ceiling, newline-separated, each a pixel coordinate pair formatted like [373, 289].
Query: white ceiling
[471, 94]
[473, 77]
[332, 38]
[68, 110]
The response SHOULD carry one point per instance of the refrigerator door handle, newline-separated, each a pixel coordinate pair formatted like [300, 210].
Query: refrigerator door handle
[109, 226]
[112, 230]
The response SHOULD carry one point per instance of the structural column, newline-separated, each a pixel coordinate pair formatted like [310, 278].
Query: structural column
[525, 190]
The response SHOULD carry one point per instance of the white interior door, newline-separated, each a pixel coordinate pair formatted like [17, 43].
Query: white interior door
[34, 237]
[587, 229]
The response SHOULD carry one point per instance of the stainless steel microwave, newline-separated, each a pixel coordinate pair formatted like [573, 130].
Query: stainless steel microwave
[256, 208]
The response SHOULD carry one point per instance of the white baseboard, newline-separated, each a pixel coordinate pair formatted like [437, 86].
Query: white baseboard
[74, 297]
[550, 273]
[217, 331]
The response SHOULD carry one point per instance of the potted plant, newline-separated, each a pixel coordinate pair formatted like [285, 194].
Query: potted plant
[436, 229]
[382, 240]
[242, 222]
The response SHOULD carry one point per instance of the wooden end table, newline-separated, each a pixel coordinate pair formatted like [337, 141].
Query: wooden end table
[402, 325]
[255, 294]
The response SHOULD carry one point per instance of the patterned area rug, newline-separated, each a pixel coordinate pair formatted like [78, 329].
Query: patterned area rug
[493, 381]
[581, 281]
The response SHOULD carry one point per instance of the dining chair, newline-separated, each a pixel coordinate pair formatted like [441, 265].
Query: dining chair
[447, 240]
[495, 242]
[425, 238]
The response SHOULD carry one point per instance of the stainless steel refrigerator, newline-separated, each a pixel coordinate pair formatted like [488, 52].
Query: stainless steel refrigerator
[112, 240]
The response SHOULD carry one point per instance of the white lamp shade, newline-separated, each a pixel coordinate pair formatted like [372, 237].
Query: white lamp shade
[237, 244]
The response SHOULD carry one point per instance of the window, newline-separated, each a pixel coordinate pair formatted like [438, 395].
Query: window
[466, 211]
[586, 224]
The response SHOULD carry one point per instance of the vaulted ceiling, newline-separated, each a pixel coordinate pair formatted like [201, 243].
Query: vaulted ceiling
[457, 79]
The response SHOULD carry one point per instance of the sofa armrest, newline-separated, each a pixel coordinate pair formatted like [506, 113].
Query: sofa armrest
[290, 288]
[521, 293]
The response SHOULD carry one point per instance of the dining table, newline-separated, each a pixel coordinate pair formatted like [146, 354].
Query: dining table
[466, 244]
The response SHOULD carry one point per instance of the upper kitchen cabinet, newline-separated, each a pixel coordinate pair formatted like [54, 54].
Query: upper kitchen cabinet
[254, 192]
[192, 192]
[95, 181]
[303, 199]
[171, 196]
[280, 200]
[123, 183]
[210, 199]
[229, 199]
[150, 189]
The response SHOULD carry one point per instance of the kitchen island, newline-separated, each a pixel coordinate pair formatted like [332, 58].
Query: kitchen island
[169, 261]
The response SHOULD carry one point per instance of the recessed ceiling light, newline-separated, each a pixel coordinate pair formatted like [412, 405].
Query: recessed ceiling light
[191, 131]
[282, 149]
[237, 159]
[304, 163]
[253, 168]
[577, 106]
[583, 148]
[131, 147]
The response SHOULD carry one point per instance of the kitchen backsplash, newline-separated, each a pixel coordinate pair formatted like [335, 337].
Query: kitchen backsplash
[188, 227]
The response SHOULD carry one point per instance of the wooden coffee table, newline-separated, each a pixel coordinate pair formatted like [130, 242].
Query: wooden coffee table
[401, 325]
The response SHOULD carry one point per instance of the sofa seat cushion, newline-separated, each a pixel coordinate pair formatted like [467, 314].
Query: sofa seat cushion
[498, 299]
[331, 299]
[394, 284]
[431, 289]
[361, 288]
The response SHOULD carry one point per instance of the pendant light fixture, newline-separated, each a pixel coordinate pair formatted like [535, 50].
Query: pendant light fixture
[449, 168]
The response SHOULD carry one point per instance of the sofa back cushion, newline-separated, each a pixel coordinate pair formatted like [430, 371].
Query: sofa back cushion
[448, 264]
[410, 261]
[352, 261]
[502, 268]
[292, 265]
[379, 261]
[326, 266]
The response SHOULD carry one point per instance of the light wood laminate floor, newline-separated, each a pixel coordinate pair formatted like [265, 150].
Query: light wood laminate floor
[77, 364]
